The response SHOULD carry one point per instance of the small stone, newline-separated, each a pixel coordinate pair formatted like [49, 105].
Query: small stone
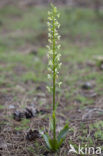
[17, 115]
[38, 88]
[32, 135]
[101, 67]
[34, 52]
[87, 85]
[79, 111]
[11, 107]
[41, 87]
[3, 146]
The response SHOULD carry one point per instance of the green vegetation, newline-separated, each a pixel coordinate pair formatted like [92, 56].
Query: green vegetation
[81, 43]
[23, 125]
[54, 64]
[2, 107]
[95, 134]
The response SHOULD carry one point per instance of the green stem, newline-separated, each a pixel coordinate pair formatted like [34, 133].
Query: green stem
[54, 127]
[54, 120]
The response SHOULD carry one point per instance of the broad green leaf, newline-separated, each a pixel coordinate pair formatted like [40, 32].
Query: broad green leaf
[60, 143]
[47, 139]
[63, 133]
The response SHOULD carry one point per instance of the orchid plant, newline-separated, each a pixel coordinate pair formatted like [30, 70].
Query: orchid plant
[54, 64]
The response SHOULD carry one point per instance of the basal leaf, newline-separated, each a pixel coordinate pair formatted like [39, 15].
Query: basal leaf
[63, 133]
[47, 139]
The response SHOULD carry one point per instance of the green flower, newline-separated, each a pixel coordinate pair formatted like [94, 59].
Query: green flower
[54, 46]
